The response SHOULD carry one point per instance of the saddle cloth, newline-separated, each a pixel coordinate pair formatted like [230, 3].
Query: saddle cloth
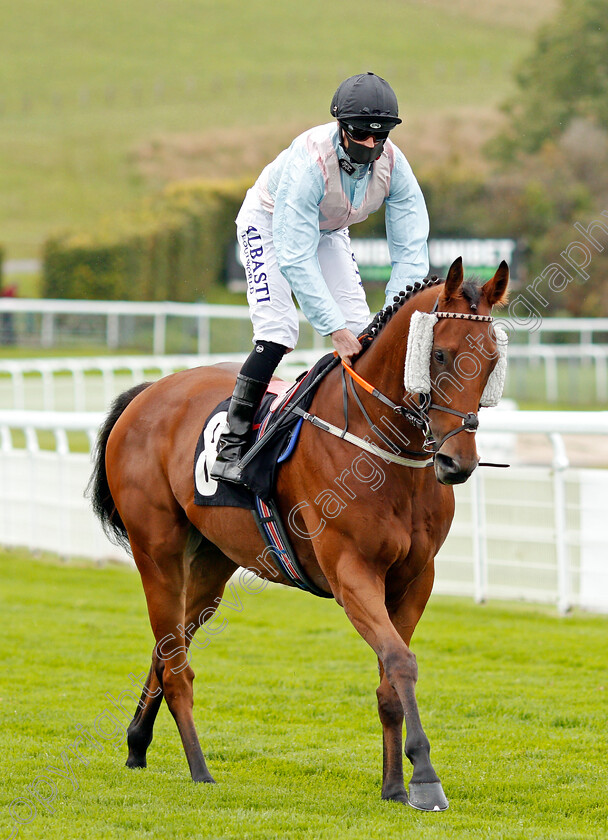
[260, 474]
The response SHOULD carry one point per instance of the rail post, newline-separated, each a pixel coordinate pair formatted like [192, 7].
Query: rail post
[160, 329]
[112, 331]
[47, 334]
[560, 465]
[204, 335]
[480, 546]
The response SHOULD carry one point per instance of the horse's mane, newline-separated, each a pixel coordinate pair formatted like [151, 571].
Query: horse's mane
[469, 290]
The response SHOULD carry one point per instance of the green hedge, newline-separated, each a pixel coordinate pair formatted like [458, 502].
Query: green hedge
[172, 247]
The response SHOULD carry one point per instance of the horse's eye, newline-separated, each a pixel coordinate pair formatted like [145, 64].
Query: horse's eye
[439, 356]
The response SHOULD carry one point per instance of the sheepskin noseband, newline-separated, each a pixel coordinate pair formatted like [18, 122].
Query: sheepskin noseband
[417, 374]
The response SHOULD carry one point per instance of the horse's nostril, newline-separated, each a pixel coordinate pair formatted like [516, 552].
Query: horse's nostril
[446, 463]
[449, 471]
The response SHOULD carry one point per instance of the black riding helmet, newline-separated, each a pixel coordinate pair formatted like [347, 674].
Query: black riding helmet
[365, 102]
[365, 99]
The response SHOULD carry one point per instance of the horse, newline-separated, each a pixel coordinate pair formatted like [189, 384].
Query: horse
[369, 544]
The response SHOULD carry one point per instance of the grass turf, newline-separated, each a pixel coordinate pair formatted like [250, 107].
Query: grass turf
[512, 697]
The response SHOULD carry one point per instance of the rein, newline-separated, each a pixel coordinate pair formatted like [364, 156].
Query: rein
[362, 443]
[418, 418]
[421, 420]
[291, 407]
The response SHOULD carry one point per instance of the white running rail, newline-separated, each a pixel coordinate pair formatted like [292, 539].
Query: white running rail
[47, 313]
[83, 384]
[91, 383]
[535, 533]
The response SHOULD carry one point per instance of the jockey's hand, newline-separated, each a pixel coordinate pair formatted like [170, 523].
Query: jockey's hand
[346, 344]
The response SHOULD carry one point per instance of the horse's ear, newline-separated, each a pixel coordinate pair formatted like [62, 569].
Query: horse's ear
[453, 281]
[495, 290]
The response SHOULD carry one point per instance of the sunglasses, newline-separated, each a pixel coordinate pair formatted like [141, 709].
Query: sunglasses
[360, 134]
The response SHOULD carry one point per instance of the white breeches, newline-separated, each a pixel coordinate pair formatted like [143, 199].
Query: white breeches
[271, 305]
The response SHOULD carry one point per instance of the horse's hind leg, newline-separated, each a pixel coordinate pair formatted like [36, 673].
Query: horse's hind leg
[139, 732]
[208, 570]
[159, 551]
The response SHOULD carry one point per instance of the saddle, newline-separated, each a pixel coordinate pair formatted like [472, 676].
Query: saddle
[275, 434]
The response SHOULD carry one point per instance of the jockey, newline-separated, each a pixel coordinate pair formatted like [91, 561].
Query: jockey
[293, 237]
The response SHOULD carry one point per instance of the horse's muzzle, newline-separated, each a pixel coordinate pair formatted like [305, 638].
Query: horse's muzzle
[451, 471]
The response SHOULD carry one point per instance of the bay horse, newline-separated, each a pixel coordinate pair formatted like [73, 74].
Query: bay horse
[374, 552]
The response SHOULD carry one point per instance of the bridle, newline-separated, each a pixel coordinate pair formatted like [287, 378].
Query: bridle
[419, 417]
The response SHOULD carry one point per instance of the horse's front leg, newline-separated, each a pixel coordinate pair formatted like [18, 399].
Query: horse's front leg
[405, 615]
[390, 712]
[360, 590]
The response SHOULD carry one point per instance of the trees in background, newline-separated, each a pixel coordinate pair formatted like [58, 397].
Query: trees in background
[564, 80]
[552, 154]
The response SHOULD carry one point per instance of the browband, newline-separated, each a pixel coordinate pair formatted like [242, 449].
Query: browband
[464, 316]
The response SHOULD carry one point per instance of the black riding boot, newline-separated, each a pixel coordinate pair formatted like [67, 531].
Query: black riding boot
[245, 400]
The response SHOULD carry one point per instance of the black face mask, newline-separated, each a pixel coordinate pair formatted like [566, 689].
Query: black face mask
[362, 154]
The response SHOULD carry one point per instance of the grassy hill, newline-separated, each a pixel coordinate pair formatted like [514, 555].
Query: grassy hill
[105, 100]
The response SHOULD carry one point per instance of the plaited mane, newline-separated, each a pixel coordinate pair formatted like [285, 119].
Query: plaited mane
[469, 290]
[384, 316]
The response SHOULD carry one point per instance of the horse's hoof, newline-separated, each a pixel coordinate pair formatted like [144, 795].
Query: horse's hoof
[427, 796]
[396, 796]
[135, 763]
[208, 780]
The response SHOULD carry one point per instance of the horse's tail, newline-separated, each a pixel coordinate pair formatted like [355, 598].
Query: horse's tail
[98, 489]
